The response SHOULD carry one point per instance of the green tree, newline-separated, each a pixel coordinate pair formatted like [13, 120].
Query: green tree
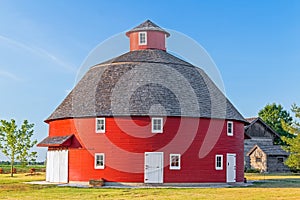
[16, 143]
[293, 144]
[274, 115]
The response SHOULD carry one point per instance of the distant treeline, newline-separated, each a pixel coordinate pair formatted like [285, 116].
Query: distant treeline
[18, 163]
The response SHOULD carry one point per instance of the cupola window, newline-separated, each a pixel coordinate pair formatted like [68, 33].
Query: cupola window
[142, 38]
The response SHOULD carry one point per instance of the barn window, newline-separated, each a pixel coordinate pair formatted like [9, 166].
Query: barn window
[230, 128]
[99, 160]
[174, 161]
[142, 38]
[157, 125]
[257, 159]
[219, 162]
[279, 160]
[100, 125]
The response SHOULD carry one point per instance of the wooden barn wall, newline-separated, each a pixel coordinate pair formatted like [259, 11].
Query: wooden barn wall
[275, 166]
[193, 169]
[155, 40]
[261, 136]
[259, 130]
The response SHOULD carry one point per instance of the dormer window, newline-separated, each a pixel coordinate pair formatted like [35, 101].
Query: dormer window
[142, 38]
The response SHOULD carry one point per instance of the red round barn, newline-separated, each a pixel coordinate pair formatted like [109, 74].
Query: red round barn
[145, 117]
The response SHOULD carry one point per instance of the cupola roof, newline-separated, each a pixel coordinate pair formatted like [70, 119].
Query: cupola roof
[147, 26]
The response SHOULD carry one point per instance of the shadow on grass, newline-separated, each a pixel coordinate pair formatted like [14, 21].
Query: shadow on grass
[277, 183]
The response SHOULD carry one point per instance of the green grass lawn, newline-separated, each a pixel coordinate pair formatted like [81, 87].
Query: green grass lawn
[271, 187]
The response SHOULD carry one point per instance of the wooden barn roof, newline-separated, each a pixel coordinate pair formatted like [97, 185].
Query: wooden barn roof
[56, 141]
[146, 78]
[251, 119]
[147, 26]
[274, 150]
[254, 120]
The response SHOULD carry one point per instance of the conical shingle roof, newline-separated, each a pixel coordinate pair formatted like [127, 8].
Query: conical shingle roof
[148, 26]
[146, 82]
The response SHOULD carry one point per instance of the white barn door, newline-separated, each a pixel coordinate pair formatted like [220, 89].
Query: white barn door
[57, 166]
[153, 167]
[231, 168]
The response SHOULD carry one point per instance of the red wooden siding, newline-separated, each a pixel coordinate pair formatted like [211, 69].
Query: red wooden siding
[155, 40]
[124, 152]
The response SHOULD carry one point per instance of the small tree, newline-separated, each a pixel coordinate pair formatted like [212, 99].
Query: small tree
[293, 147]
[273, 115]
[16, 143]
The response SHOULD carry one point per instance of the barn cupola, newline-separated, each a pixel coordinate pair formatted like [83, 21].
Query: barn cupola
[147, 36]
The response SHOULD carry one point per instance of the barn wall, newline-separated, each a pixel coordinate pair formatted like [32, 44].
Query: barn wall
[260, 135]
[275, 166]
[155, 40]
[259, 130]
[124, 152]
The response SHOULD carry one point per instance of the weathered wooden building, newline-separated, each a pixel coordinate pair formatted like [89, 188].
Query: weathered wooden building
[145, 117]
[259, 143]
[268, 158]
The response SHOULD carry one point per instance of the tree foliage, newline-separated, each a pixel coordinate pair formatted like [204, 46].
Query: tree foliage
[16, 143]
[274, 115]
[293, 147]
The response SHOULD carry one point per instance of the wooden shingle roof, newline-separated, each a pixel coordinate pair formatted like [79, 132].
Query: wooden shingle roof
[56, 141]
[147, 26]
[146, 82]
[254, 120]
[274, 150]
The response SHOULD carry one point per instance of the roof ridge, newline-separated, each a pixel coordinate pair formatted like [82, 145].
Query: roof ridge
[147, 25]
[123, 62]
[138, 57]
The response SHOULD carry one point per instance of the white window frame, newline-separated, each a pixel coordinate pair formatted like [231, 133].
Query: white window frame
[140, 42]
[179, 162]
[166, 40]
[95, 161]
[230, 123]
[153, 125]
[216, 162]
[100, 131]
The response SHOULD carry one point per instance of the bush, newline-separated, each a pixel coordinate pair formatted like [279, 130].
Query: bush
[294, 170]
[252, 171]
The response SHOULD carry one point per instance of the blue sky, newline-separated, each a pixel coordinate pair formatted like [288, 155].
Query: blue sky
[255, 45]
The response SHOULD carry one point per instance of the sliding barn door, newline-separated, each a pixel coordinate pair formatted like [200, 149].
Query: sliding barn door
[57, 166]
